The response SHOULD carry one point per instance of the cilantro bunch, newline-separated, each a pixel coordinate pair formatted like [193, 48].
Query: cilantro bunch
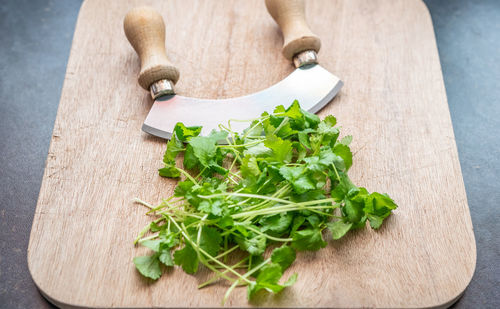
[268, 192]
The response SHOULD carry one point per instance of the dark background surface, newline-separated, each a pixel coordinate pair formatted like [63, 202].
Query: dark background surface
[35, 40]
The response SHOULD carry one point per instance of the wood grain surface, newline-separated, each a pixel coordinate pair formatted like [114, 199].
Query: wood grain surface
[393, 102]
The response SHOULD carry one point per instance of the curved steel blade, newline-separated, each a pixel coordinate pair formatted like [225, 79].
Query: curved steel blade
[312, 86]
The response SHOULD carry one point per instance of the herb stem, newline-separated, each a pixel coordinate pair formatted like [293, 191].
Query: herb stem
[149, 237]
[246, 275]
[223, 254]
[336, 172]
[187, 175]
[279, 210]
[185, 234]
[138, 200]
[214, 278]
[268, 236]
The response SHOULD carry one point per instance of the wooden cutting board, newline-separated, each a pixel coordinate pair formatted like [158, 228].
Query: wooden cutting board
[393, 103]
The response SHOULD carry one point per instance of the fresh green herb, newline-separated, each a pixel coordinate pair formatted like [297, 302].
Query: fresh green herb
[280, 183]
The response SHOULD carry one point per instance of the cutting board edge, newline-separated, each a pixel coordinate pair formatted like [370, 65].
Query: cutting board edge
[58, 303]
[65, 305]
[461, 290]
[455, 151]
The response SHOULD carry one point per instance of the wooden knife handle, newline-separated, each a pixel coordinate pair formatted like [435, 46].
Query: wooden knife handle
[290, 16]
[145, 30]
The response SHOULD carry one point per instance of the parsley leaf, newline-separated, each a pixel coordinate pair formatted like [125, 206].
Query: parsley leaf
[296, 176]
[210, 240]
[344, 152]
[255, 245]
[282, 149]
[187, 258]
[267, 279]
[339, 228]
[283, 256]
[308, 239]
[148, 266]
[183, 133]
[174, 147]
[378, 207]
[166, 258]
[169, 171]
[249, 167]
[276, 223]
[203, 149]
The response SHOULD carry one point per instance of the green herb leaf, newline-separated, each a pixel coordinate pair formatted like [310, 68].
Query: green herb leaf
[344, 152]
[258, 150]
[174, 147]
[346, 140]
[152, 244]
[342, 186]
[378, 207]
[169, 171]
[166, 258]
[211, 207]
[183, 133]
[191, 161]
[203, 149]
[267, 279]
[297, 177]
[249, 167]
[338, 228]
[282, 149]
[308, 239]
[148, 266]
[330, 121]
[283, 256]
[187, 258]
[276, 223]
[312, 120]
[255, 245]
[210, 240]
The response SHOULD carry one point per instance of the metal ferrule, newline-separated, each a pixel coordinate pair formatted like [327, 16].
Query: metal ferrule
[304, 58]
[161, 88]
